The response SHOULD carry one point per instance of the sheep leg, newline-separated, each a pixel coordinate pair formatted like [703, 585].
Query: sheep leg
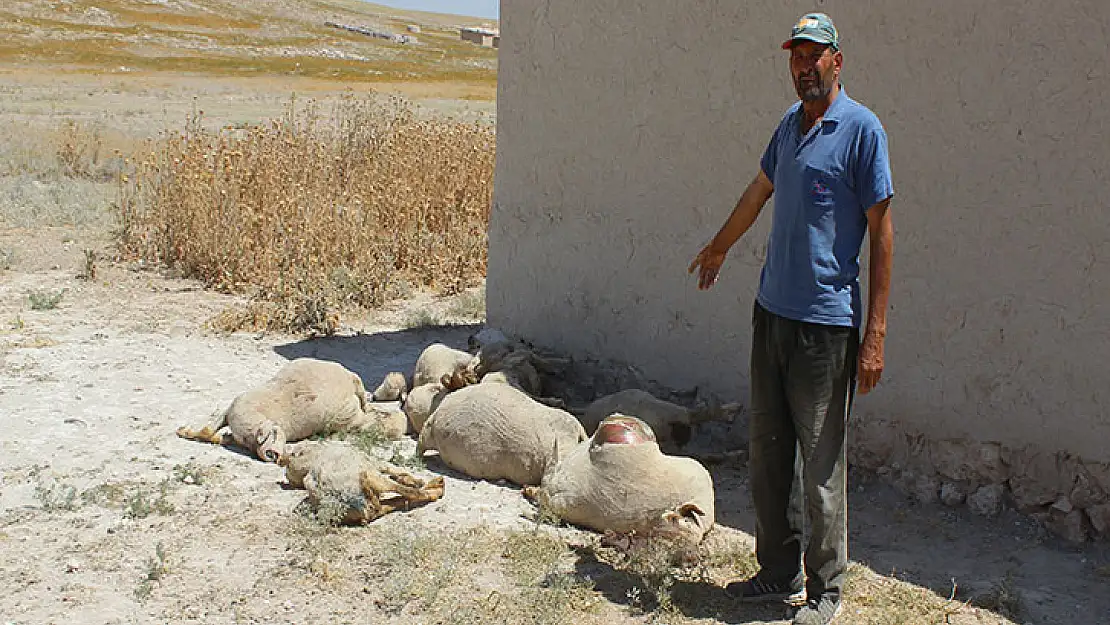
[552, 402]
[377, 507]
[412, 490]
[364, 422]
[374, 508]
[210, 432]
[401, 477]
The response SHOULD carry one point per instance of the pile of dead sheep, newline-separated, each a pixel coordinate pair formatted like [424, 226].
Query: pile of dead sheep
[485, 413]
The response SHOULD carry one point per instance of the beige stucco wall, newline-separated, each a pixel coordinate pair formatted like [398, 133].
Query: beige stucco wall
[626, 131]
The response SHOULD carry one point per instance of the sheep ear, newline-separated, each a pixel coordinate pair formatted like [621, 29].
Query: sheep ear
[553, 460]
[691, 511]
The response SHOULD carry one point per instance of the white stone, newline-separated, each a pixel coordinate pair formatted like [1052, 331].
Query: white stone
[987, 501]
[952, 494]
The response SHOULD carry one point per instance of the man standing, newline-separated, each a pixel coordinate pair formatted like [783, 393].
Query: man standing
[828, 167]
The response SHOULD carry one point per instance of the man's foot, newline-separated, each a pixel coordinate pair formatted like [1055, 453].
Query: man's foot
[757, 589]
[819, 611]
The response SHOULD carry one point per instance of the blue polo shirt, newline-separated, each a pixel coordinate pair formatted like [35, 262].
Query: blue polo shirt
[824, 182]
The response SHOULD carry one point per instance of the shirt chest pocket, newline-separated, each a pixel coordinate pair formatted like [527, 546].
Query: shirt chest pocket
[819, 187]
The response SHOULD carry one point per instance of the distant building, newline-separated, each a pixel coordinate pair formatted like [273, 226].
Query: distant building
[481, 36]
[373, 33]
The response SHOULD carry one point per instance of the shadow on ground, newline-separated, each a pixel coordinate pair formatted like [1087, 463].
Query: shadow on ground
[1009, 564]
[696, 600]
[372, 356]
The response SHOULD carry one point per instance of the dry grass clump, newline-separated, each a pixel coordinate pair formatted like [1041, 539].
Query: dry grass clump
[876, 600]
[480, 575]
[58, 174]
[314, 213]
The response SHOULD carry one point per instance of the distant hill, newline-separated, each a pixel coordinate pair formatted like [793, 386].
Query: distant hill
[244, 38]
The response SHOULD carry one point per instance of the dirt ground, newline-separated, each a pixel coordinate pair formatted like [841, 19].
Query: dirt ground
[107, 517]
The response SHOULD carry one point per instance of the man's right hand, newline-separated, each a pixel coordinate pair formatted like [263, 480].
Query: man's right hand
[712, 256]
[708, 263]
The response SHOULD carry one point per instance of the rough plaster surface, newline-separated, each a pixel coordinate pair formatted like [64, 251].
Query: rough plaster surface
[627, 131]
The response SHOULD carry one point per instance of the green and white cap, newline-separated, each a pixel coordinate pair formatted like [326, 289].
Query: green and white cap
[816, 27]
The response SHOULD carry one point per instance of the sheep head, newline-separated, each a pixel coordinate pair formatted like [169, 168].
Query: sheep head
[461, 377]
[269, 441]
[713, 410]
[685, 519]
[393, 387]
[297, 461]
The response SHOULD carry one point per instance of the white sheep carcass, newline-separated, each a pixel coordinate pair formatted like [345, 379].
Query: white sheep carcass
[421, 402]
[307, 396]
[436, 361]
[670, 422]
[393, 387]
[620, 482]
[349, 485]
[514, 364]
[496, 431]
[390, 422]
[483, 337]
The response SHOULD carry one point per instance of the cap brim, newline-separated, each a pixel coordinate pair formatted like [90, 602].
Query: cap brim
[789, 43]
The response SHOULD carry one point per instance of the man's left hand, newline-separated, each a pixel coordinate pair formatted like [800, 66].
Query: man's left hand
[870, 362]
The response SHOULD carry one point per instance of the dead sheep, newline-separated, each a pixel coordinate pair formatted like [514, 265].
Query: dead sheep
[517, 359]
[350, 486]
[496, 431]
[670, 422]
[436, 361]
[306, 397]
[483, 337]
[391, 422]
[393, 388]
[514, 364]
[620, 482]
[421, 402]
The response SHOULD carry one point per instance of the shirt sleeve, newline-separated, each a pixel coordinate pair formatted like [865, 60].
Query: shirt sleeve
[771, 155]
[873, 178]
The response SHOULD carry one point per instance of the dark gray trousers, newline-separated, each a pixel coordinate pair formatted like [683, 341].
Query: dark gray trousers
[802, 383]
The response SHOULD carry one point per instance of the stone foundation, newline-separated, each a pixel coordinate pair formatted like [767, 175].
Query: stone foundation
[1069, 496]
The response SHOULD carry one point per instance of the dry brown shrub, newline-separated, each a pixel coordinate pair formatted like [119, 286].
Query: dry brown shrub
[314, 213]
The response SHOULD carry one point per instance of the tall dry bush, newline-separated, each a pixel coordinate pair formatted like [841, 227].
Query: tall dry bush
[313, 213]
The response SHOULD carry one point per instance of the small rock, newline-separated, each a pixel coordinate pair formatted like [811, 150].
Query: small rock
[1086, 492]
[1028, 493]
[952, 494]
[1100, 519]
[1063, 505]
[987, 501]
[1070, 526]
[925, 489]
[72, 567]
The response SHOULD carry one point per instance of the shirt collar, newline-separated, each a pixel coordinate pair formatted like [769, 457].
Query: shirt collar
[837, 107]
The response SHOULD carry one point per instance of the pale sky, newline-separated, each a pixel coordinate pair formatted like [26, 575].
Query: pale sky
[475, 8]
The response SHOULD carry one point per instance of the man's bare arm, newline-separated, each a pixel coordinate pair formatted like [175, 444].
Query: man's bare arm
[747, 209]
[880, 232]
[745, 213]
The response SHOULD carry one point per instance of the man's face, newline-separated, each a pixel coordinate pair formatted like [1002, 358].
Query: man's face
[815, 68]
